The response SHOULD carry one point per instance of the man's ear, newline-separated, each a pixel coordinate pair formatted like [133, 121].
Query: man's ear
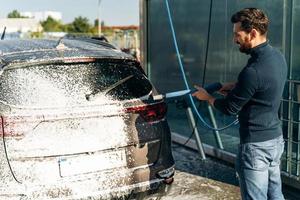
[253, 33]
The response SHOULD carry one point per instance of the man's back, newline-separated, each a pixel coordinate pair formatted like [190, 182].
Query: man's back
[265, 74]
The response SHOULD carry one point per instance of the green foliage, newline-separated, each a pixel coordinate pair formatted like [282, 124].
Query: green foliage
[15, 14]
[94, 30]
[52, 25]
[80, 25]
[96, 22]
[36, 35]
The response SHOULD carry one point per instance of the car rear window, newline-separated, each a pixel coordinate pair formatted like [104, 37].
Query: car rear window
[55, 85]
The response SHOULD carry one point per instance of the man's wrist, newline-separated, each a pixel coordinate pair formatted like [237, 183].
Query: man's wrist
[211, 100]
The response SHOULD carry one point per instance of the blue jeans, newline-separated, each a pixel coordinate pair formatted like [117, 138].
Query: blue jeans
[258, 169]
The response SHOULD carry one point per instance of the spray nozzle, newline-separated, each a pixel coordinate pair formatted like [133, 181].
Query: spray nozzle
[210, 88]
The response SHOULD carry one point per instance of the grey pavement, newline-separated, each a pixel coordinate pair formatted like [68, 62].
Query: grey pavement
[190, 187]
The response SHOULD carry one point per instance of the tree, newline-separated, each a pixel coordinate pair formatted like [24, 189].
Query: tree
[80, 25]
[15, 14]
[52, 25]
[96, 23]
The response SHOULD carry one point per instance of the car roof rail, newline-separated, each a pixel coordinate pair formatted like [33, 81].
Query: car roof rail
[101, 40]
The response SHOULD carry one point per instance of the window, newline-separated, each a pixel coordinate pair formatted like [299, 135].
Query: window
[59, 85]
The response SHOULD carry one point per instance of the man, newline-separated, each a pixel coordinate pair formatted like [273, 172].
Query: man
[255, 97]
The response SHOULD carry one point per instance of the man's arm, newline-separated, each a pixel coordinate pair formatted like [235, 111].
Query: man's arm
[202, 94]
[226, 88]
[242, 92]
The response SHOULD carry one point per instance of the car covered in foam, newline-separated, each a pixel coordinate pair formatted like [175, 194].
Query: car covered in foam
[78, 121]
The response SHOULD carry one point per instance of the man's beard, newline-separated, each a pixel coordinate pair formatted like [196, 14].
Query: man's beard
[245, 48]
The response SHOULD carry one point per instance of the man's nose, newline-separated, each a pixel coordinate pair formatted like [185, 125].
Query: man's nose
[234, 40]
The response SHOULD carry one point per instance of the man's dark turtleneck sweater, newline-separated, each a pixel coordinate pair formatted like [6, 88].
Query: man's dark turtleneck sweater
[257, 94]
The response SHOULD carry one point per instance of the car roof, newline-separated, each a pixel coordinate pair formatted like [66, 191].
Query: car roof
[43, 50]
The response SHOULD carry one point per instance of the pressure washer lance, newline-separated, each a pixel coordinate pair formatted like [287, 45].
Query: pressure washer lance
[210, 88]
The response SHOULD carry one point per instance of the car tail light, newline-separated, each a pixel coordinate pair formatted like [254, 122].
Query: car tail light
[7, 130]
[16, 126]
[150, 113]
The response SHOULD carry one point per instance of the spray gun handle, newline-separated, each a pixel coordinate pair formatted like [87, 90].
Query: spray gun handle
[210, 88]
[213, 87]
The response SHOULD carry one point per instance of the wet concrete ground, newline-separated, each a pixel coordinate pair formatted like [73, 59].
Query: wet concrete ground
[209, 179]
[191, 187]
[201, 179]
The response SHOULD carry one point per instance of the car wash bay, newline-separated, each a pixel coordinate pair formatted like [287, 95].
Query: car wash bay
[223, 62]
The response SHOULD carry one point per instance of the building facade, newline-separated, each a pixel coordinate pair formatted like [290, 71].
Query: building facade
[43, 15]
[20, 27]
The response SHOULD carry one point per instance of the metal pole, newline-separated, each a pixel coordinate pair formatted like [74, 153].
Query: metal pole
[144, 36]
[290, 104]
[295, 90]
[99, 21]
[216, 133]
[298, 142]
[195, 130]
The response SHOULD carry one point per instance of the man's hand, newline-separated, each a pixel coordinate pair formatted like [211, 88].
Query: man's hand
[202, 94]
[227, 87]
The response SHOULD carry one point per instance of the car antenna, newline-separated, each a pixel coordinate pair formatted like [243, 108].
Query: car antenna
[3, 33]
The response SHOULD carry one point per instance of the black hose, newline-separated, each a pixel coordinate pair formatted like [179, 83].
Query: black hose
[207, 43]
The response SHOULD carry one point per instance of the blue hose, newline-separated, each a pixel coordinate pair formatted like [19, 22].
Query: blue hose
[185, 80]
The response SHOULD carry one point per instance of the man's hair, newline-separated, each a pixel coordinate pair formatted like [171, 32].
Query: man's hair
[251, 18]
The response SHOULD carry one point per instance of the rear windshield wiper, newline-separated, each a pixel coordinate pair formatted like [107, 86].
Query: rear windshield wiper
[3, 33]
[94, 95]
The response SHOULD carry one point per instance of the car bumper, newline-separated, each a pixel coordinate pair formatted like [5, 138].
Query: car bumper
[94, 186]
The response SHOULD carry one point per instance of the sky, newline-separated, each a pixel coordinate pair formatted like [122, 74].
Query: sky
[112, 12]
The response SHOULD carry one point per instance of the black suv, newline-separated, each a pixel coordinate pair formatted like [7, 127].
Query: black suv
[78, 121]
